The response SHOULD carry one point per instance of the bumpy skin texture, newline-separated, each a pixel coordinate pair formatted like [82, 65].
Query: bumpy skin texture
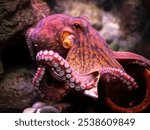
[72, 55]
[16, 90]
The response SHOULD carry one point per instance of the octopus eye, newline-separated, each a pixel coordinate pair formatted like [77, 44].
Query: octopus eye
[67, 39]
[77, 26]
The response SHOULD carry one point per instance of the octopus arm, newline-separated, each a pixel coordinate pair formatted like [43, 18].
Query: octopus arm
[122, 101]
[132, 58]
[119, 99]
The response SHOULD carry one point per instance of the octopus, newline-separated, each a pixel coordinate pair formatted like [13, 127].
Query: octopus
[72, 56]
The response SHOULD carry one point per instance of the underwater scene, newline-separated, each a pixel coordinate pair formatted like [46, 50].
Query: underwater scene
[74, 56]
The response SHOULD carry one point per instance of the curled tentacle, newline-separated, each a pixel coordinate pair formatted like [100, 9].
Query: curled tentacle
[51, 90]
[121, 100]
[110, 74]
[140, 106]
[37, 79]
[29, 42]
[60, 70]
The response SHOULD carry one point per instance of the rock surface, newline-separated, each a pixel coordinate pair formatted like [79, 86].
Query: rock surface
[16, 16]
[16, 90]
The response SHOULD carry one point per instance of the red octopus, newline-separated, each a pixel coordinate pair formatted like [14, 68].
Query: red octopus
[72, 55]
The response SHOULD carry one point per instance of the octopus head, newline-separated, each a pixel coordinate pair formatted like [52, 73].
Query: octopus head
[57, 32]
